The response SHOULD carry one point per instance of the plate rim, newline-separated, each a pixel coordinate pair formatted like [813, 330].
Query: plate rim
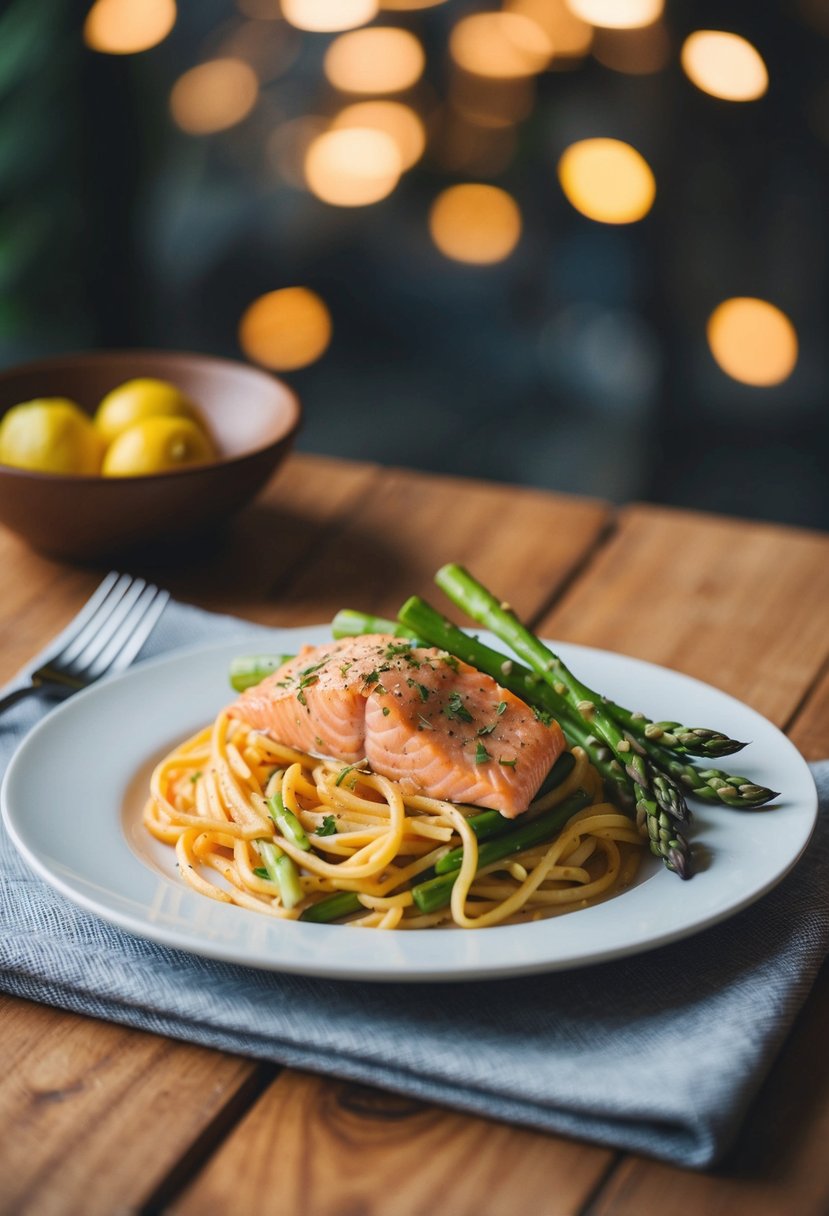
[332, 967]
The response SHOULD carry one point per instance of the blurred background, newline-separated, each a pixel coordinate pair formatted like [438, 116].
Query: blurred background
[577, 244]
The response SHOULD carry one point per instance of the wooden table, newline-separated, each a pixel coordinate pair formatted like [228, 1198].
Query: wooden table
[99, 1119]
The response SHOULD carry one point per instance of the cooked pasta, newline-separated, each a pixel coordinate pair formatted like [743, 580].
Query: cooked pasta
[292, 836]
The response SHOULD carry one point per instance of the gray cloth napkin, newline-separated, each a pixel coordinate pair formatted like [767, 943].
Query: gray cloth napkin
[660, 1054]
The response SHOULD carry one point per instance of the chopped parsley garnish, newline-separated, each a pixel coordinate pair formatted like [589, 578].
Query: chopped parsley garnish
[456, 709]
[500, 707]
[386, 711]
[341, 776]
[261, 872]
[425, 724]
[195, 776]
[344, 668]
[508, 763]
[301, 698]
[328, 827]
[372, 677]
[543, 715]
[481, 754]
[309, 679]
[450, 661]
[486, 730]
[395, 648]
[421, 688]
[307, 671]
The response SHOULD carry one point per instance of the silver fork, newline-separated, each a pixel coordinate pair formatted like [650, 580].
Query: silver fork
[105, 637]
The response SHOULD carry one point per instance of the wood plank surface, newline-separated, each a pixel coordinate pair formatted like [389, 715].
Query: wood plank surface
[743, 606]
[94, 1116]
[411, 524]
[320, 1148]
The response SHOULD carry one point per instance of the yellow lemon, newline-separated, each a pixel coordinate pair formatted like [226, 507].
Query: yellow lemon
[157, 445]
[136, 400]
[50, 435]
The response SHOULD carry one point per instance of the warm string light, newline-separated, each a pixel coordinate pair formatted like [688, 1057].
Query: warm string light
[570, 37]
[500, 45]
[617, 14]
[286, 329]
[214, 96]
[724, 65]
[353, 166]
[125, 27]
[476, 224]
[607, 180]
[398, 121]
[753, 341]
[328, 16]
[381, 59]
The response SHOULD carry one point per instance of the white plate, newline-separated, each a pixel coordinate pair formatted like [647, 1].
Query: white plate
[73, 795]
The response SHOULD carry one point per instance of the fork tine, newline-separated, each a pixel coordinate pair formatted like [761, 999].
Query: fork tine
[93, 621]
[134, 630]
[106, 626]
[99, 595]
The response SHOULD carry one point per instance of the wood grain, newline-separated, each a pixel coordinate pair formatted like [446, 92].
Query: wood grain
[96, 1116]
[522, 541]
[743, 606]
[323, 1148]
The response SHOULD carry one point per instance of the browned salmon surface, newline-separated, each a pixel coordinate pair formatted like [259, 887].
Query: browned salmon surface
[417, 714]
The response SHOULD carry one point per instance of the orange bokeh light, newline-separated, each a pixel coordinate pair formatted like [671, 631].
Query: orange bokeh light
[607, 180]
[286, 329]
[476, 224]
[125, 27]
[752, 341]
[214, 96]
[376, 60]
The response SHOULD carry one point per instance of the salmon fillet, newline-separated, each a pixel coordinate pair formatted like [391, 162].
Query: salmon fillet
[419, 716]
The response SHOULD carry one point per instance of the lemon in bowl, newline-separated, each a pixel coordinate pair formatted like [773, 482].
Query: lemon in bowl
[138, 399]
[50, 435]
[157, 445]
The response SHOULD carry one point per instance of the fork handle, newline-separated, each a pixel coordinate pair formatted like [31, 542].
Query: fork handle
[17, 694]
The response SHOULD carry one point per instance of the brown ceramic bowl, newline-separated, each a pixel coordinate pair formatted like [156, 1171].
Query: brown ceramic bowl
[252, 416]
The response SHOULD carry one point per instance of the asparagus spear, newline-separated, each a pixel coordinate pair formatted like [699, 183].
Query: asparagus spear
[281, 870]
[673, 736]
[250, 669]
[349, 623]
[665, 839]
[711, 785]
[436, 892]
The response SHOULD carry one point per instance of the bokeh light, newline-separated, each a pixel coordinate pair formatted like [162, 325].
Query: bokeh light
[607, 180]
[475, 223]
[500, 45]
[569, 36]
[352, 167]
[286, 329]
[752, 341]
[724, 65]
[617, 14]
[124, 27]
[214, 96]
[409, 6]
[396, 120]
[326, 16]
[377, 60]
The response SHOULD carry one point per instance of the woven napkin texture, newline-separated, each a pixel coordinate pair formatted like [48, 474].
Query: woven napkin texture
[660, 1054]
